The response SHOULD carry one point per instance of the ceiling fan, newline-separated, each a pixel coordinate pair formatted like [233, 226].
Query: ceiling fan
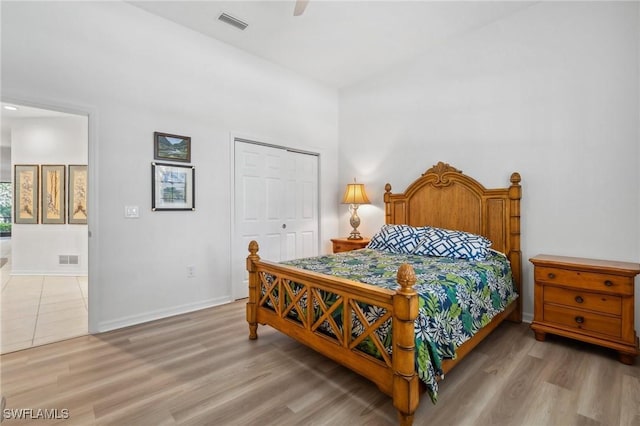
[301, 5]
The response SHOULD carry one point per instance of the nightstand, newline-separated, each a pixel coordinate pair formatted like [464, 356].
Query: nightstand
[586, 299]
[345, 244]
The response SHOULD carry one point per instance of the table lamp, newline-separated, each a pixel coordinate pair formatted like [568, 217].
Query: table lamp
[354, 196]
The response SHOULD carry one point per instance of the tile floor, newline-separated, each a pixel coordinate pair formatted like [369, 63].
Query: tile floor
[40, 309]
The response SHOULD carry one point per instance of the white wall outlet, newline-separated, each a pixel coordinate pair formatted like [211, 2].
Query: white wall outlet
[191, 271]
[131, 212]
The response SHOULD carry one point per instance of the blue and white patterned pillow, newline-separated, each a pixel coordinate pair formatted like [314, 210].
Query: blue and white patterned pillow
[456, 244]
[377, 241]
[396, 239]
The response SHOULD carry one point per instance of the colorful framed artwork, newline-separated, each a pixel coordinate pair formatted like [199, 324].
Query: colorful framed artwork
[25, 203]
[172, 187]
[171, 147]
[52, 184]
[77, 203]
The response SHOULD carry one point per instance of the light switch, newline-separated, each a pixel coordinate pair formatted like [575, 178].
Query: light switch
[131, 212]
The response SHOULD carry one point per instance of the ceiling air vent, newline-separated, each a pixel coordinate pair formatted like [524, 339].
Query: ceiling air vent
[235, 22]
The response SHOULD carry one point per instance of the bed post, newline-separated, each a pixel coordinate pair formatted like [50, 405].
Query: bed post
[254, 279]
[387, 204]
[405, 379]
[515, 255]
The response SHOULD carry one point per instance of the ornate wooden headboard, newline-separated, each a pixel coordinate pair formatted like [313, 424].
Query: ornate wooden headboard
[444, 197]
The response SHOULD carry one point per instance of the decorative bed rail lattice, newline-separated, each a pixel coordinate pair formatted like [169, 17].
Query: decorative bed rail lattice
[350, 323]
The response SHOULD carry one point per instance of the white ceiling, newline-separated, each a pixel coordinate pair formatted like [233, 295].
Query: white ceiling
[336, 42]
[8, 117]
[28, 112]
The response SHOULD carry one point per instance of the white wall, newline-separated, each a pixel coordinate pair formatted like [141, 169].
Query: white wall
[551, 92]
[136, 74]
[35, 248]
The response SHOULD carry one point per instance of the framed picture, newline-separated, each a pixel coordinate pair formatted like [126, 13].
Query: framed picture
[172, 187]
[25, 193]
[171, 147]
[77, 203]
[52, 184]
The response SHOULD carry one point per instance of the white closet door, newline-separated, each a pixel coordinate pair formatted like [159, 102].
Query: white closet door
[276, 204]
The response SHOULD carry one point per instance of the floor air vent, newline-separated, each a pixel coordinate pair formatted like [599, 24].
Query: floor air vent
[67, 259]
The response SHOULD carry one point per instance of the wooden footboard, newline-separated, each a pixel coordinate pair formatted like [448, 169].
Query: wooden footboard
[280, 295]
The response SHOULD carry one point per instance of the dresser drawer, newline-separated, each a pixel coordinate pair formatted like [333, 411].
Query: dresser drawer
[585, 280]
[339, 248]
[581, 299]
[582, 320]
[345, 244]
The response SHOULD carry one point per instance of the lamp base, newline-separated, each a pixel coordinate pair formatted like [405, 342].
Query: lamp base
[355, 222]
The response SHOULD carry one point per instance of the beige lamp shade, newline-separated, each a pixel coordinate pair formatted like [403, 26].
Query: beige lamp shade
[354, 194]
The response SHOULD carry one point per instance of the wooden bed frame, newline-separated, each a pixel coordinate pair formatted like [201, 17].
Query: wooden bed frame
[441, 197]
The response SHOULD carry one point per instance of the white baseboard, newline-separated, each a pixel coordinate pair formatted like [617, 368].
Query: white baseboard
[159, 314]
[527, 317]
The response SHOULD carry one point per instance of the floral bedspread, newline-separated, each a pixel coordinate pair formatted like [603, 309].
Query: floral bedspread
[456, 297]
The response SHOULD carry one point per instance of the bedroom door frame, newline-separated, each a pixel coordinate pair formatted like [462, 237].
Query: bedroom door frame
[92, 201]
[235, 243]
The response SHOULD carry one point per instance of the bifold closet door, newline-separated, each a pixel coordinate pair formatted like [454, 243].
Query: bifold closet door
[276, 204]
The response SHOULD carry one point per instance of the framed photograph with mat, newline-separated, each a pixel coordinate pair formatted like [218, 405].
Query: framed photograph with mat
[77, 203]
[52, 184]
[172, 187]
[25, 191]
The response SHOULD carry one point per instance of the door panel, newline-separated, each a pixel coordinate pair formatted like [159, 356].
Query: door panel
[276, 203]
[290, 246]
[309, 244]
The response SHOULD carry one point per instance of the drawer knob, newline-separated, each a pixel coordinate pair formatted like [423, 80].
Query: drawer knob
[579, 319]
[579, 299]
[608, 283]
[551, 275]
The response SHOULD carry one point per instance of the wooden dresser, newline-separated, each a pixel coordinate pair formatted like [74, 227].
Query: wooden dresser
[586, 299]
[345, 244]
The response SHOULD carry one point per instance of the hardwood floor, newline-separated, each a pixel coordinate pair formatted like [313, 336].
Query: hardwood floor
[201, 369]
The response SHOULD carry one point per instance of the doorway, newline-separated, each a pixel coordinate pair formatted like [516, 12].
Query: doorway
[275, 203]
[45, 276]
